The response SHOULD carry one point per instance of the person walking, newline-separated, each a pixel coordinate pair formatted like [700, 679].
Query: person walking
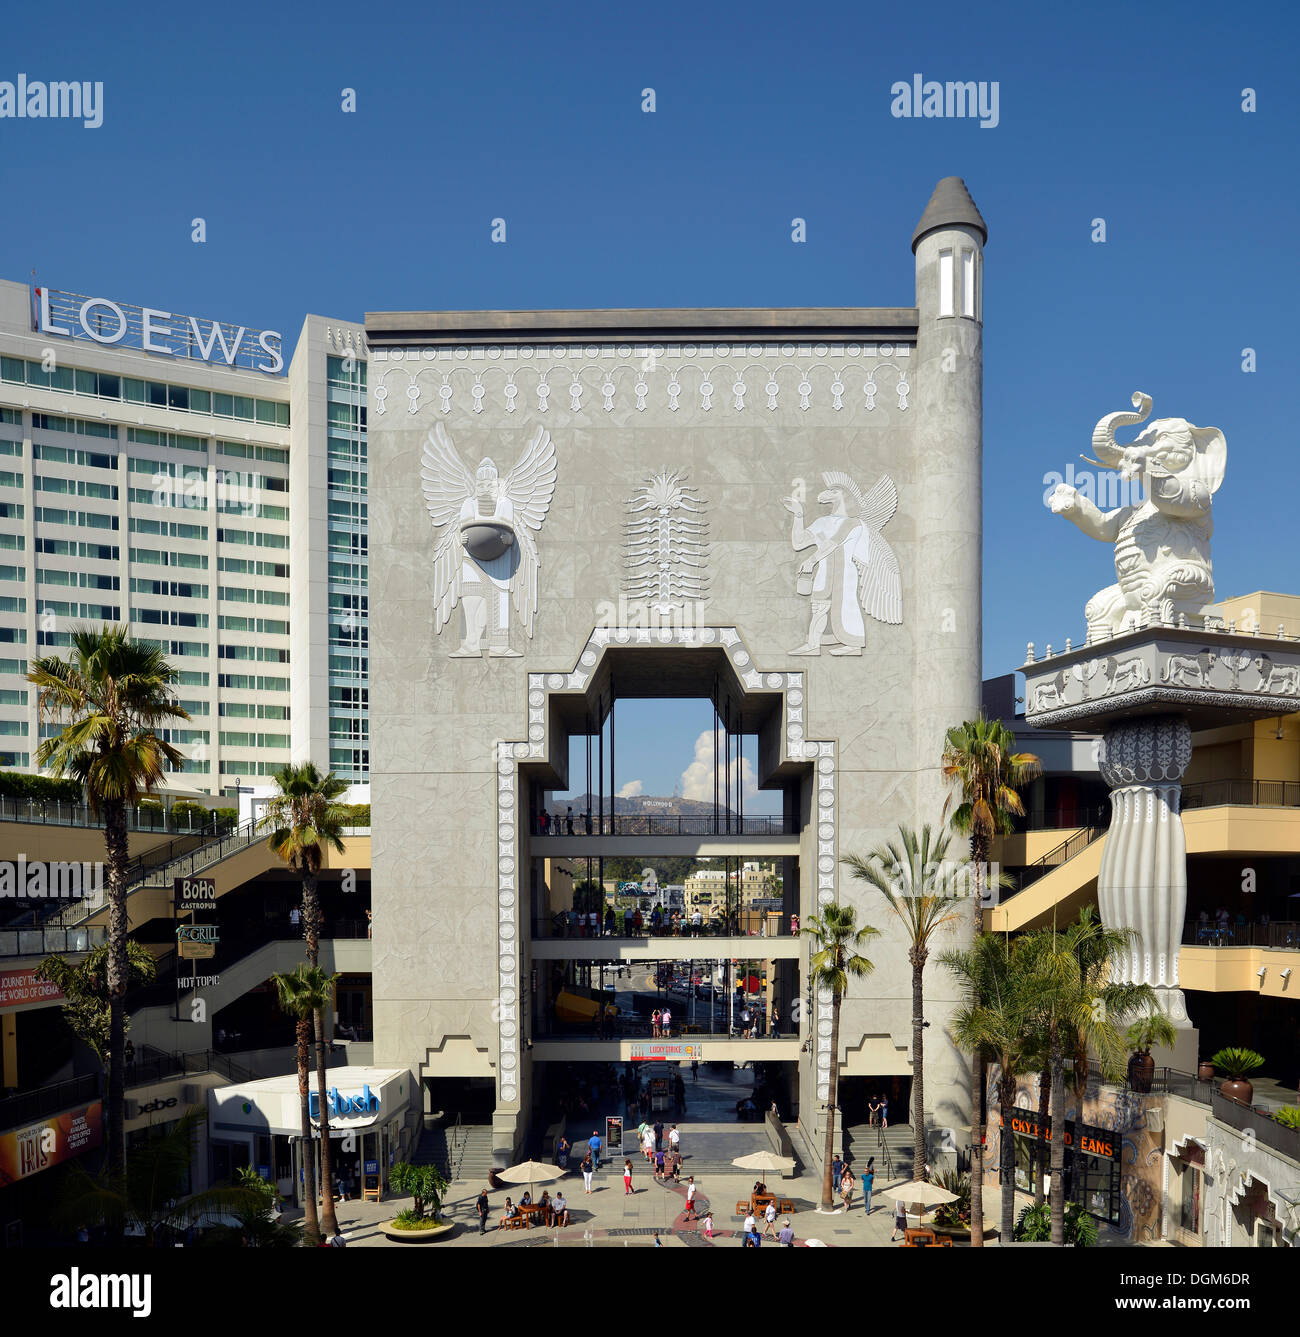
[609, 921]
[749, 1227]
[568, 821]
[562, 1152]
[695, 1070]
[846, 1188]
[708, 1225]
[674, 1139]
[774, 1026]
[659, 1133]
[627, 1178]
[884, 1114]
[637, 923]
[593, 923]
[593, 1143]
[482, 1207]
[690, 1199]
[769, 1219]
[900, 1222]
[869, 1182]
[587, 1171]
[837, 1170]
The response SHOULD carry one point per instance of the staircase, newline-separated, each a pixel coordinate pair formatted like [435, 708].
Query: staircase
[895, 1155]
[460, 1151]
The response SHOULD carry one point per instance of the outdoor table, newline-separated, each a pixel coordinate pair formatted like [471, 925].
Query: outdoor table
[533, 1209]
[917, 1237]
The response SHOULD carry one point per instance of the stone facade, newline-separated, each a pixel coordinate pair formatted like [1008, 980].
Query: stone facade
[849, 633]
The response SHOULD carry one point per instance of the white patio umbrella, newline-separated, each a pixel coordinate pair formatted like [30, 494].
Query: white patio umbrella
[921, 1194]
[764, 1161]
[531, 1173]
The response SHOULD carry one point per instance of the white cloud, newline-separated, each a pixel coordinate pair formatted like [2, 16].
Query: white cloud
[697, 778]
[631, 789]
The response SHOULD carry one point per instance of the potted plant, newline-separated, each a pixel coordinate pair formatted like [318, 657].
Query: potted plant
[421, 1222]
[1154, 1029]
[1205, 1072]
[1235, 1063]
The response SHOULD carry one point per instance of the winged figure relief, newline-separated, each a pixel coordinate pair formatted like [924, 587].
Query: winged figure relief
[486, 560]
[852, 572]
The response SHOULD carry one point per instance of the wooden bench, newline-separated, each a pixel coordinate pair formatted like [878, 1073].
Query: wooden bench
[914, 1238]
[742, 1208]
[516, 1222]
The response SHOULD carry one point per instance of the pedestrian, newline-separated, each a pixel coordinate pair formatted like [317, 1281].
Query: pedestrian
[690, 1199]
[786, 1236]
[609, 921]
[708, 1225]
[837, 1171]
[587, 1171]
[593, 923]
[543, 822]
[627, 922]
[666, 1023]
[593, 1142]
[659, 1134]
[627, 1178]
[748, 1227]
[769, 1218]
[869, 1181]
[637, 922]
[659, 1244]
[674, 1139]
[695, 1070]
[873, 1111]
[482, 1207]
[884, 1113]
[562, 1153]
[648, 1144]
[659, 1166]
[295, 916]
[900, 1221]
[568, 821]
[775, 1027]
[846, 1188]
[654, 1023]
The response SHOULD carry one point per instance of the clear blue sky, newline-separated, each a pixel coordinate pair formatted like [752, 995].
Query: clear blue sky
[764, 112]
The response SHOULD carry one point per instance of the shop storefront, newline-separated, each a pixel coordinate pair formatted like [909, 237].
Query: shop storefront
[1092, 1162]
[260, 1124]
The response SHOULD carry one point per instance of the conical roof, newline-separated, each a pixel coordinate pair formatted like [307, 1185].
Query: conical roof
[949, 204]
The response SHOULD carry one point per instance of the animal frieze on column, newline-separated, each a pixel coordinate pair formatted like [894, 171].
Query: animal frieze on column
[1162, 542]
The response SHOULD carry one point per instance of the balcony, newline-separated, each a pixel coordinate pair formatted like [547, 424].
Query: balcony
[1242, 793]
[1278, 934]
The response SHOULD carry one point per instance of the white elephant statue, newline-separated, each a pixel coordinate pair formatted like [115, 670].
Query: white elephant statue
[1162, 546]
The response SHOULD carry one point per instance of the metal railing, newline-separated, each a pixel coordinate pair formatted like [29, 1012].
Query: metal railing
[1260, 1122]
[1054, 858]
[42, 941]
[773, 925]
[646, 824]
[155, 1065]
[27, 1106]
[1279, 934]
[63, 812]
[1061, 819]
[1164, 1081]
[1246, 793]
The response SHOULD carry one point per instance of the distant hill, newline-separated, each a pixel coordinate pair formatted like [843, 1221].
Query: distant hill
[641, 805]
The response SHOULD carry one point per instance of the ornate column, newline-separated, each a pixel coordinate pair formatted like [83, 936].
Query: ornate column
[1142, 884]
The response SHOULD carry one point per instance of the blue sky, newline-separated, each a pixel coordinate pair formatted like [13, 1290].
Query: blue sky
[764, 112]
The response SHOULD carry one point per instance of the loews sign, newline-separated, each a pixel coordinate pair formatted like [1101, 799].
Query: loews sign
[153, 331]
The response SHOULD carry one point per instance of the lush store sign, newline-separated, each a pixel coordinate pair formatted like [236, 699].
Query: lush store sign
[357, 1106]
[153, 331]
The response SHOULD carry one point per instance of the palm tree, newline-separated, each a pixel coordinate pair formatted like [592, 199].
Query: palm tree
[149, 1196]
[997, 1022]
[979, 755]
[85, 990]
[110, 697]
[306, 819]
[833, 963]
[917, 880]
[1081, 1013]
[305, 993]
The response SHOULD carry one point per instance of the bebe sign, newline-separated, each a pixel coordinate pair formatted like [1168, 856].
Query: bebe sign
[153, 331]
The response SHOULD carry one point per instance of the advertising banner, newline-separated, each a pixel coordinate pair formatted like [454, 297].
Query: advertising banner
[50, 1141]
[666, 1051]
[21, 986]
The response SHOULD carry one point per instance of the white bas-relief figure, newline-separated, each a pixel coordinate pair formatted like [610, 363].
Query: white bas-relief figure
[487, 559]
[667, 544]
[1162, 547]
[1284, 678]
[1188, 670]
[852, 572]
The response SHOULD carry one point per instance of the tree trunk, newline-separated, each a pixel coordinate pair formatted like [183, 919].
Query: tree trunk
[828, 1197]
[919, 1170]
[1006, 1098]
[311, 1226]
[1040, 1151]
[329, 1222]
[115, 842]
[978, 851]
[1058, 1143]
[311, 917]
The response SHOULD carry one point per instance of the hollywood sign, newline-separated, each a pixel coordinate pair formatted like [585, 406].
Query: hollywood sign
[144, 327]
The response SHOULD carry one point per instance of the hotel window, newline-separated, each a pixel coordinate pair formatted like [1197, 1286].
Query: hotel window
[945, 283]
[968, 282]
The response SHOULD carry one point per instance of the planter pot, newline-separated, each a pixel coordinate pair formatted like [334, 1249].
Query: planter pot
[1205, 1073]
[1240, 1089]
[1141, 1069]
[439, 1232]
